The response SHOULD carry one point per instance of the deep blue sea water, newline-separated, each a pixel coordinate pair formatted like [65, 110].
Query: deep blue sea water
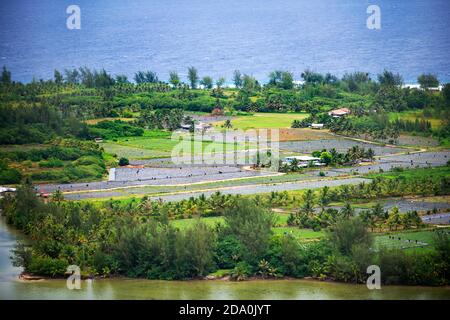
[219, 36]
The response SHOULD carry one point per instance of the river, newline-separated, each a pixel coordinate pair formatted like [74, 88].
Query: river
[13, 288]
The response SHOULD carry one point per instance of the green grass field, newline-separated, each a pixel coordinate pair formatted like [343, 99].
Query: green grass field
[407, 240]
[412, 115]
[300, 234]
[156, 144]
[417, 173]
[265, 120]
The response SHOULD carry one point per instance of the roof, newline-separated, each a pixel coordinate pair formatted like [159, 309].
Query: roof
[341, 111]
[5, 189]
[303, 158]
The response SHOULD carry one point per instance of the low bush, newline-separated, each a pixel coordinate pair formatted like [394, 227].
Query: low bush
[51, 163]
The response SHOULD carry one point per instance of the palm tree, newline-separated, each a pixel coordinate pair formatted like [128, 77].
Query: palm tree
[347, 211]
[324, 197]
[294, 165]
[370, 154]
[394, 219]
[308, 206]
[57, 196]
[227, 124]
[174, 79]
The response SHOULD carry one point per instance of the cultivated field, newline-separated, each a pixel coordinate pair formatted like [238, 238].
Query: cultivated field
[265, 120]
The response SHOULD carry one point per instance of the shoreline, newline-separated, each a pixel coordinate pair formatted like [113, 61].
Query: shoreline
[29, 278]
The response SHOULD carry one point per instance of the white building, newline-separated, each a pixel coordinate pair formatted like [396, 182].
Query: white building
[304, 161]
[5, 190]
[317, 126]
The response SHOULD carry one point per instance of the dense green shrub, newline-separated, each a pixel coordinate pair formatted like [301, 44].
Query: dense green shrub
[123, 162]
[115, 129]
[89, 160]
[51, 163]
[9, 175]
[46, 266]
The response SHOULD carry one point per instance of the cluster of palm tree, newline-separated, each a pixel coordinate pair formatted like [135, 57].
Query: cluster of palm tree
[169, 119]
[347, 127]
[313, 211]
[332, 157]
[214, 205]
[375, 218]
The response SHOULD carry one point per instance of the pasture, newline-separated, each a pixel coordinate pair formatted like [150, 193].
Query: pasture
[265, 120]
[412, 115]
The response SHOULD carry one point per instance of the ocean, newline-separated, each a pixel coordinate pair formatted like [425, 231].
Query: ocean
[217, 37]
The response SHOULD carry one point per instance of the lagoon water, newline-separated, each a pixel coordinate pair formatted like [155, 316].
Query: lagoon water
[255, 36]
[12, 288]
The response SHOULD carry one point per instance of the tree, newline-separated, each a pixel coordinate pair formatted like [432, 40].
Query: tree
[57, 196]
[287, 80]
[390, 79]
[220, 82]
[308, 203]
[121, 79]
[441, 241]
[378, 211]
[237, 78]
[72, 76]
[193, 77]
[428, 80]
[275, 77]
[195, 249]
[227, 124]
[312, 77]
[347, 211]
[249, 83]
[58, 77]
[6, 76]
[123, 162]
[145, 77]
[207, 82]
[102, 79]
[174, 79]
[27, 209]
[252, 226]
[446, 94]
[281, 79]
[394, 219]
[345, 233]
[370, 154]
[355, 80]
[326, 157]
[324, 197]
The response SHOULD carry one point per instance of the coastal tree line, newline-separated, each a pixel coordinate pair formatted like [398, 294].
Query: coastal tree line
[138, 239]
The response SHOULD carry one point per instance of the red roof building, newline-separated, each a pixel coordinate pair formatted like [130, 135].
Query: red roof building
[339, 112]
